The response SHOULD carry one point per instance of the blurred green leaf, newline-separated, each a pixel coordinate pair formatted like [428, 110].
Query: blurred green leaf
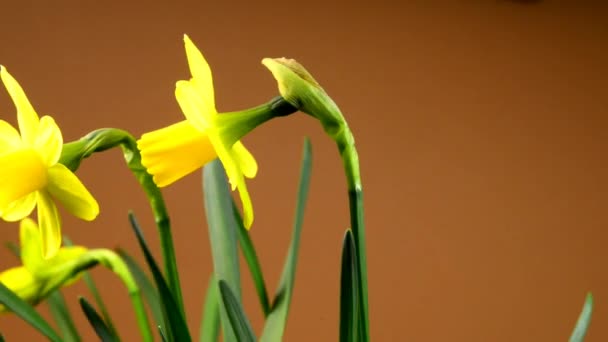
[275, 323]
[349, 298]
[145, 285]
[162, 334]
[211, 314]
[222, 235]
[177, 327]
[101, 328]
[61, 314]
[252, 261]
[580, 330]
[24, 310]
[238, 320]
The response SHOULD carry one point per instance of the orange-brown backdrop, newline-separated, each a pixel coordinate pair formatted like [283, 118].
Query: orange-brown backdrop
[481, 128]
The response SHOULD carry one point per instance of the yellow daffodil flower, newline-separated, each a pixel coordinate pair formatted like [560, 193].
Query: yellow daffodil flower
[172, 152]
[30, 174]
[39, 276]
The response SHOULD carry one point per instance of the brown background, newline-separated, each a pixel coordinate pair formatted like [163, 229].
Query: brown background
[481, 127]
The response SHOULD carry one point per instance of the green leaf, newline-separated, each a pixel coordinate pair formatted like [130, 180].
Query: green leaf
[349, 298]
[222, 234]
[24, 310]
[580, 330]
[145, 285]
[240, 324]
[252, 261]
[211, 314]
[177, 327]
[90, 283]
[275, 323]
[101, 328]
[162, 334]
[61, 314]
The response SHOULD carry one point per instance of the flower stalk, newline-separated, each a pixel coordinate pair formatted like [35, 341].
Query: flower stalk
[107, 138]
[299, 88]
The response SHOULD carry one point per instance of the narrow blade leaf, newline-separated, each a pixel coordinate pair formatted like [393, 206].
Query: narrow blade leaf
[211, 313]
[275, 323]
[177, 327]
[580, 330]
[253, 263]
[100, 327]
[162, 334]
[240, 324]
[222, 235]
[62, 316]
[349, 298]
[22, 309]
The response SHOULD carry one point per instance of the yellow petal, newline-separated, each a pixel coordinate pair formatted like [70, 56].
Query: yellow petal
[195, 109]
[246, 201]
[50, 225]
[9, 137]
[22, 283]
[201, 73]
[31, 244]
[20, 208]
[26, 115]
[225, 154]
[49, 141]
[172, 152]
[21, 172]
[66, 188]
[245, 160]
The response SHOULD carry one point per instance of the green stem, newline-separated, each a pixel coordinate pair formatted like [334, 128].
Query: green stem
[235, 125]
[350, 160]
[301, 90]
[112, 261]
[102, 139]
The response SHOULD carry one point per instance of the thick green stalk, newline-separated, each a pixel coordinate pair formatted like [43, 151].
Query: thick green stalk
[350, 161]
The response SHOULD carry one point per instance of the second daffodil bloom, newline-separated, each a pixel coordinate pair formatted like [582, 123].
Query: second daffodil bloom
[38, 277]
[172, 152]
[30, 174]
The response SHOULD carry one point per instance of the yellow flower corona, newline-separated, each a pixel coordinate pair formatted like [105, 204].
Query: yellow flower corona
[172, 152]
[30, 175]
[39, 276]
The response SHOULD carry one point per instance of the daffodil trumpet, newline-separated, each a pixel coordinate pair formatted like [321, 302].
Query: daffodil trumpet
[38, 276]
[175, 151]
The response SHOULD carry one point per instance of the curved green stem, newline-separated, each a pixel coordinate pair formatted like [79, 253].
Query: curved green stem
[112, 261]
[102, 139]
